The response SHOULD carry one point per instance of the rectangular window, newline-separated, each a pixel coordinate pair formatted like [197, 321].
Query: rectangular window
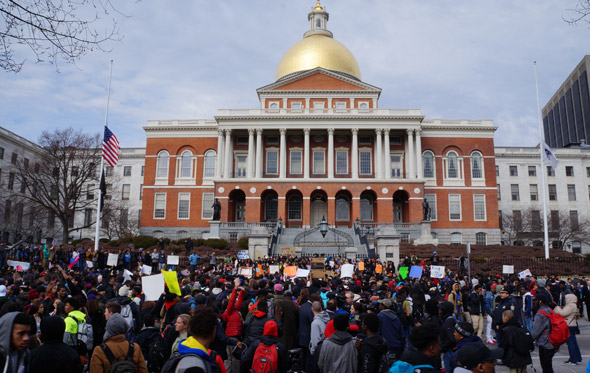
[479, 207]
[142, 170]
[272, 140]
[517, 219]
[141, 192]
[1, 153]
[555, 220]
[87, 217]
[513, 170]
[319, 164]
[431, 199]
[497, 170]
[569, 170]
[50, 219]
[89, 192]
[532, 170]
[341, 162]
[7, 210]
[241, 166]
[514, 192]
[364, 140]
[125, 191]
[295, 162]
[587, 171]
[571, 192]
[480, 238]
[296, 106]
[574, 221]
[160, 206]
[138, 218]
[395, 140]
[11, 181]
[14, 158]
[124, 217]
[126, 170]
[455, 207]
[207, 206]
[396, 166]
[272, 162]
[536, 220]
[109, 171]
[499, 192]
[242, 140]
[550, 171]
[184, 201]
[534, 192]
[340, 105]
[365, 162]
[23, 187]
[552, 192]
[500, 220]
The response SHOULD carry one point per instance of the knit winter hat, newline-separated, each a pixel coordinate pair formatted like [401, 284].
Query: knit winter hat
[124, 291]
[271, 329]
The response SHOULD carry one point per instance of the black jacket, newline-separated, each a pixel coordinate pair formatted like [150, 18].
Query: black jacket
[512, 358]
[476, 304]
[508, 303]
[135, 312]
[55, 356]
[370, 354]
[145, 338]
[253, 327]
[248, 355]
[416, 357]
[305, 320]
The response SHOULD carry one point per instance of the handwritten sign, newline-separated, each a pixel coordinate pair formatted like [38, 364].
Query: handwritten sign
[378, 268]
[243, 255]
[302, 272]
[112, 260]
[15, 263]
[525, 273]
[246, 272]
[437, 271]
[288, 251]
[273, 268]
[290, 271]
[361, 266]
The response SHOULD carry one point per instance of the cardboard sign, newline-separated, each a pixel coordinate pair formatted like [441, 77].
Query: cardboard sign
[508, 269]
[274, 268]
[302, 273]
[416, 271]
[173, 260]
[524, 273]
[346, 271]
[112, 260]
[317, 268]
[287, 251]
[437, 271]
[290, 271]
[243, 255]
[15, 263]
[378, 268]
[246, 272]
[153, 286]
[361, 266]
[146, 270]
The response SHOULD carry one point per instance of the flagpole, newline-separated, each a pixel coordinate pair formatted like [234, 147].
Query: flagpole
[106, 118]
[543, 186]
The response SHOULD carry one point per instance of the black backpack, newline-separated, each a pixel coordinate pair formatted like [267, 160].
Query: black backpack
[158, 353]
[523, 341]
[120, 366]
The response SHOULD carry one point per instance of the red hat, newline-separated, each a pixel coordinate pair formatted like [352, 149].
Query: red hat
[271, 329]
[33, 294]
[493, 286]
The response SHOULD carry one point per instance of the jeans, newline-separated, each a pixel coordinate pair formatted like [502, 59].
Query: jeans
[528, 323]
[546, 358]
[447, 360]
[573, 348]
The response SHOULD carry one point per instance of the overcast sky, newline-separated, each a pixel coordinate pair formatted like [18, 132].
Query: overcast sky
[187, 59]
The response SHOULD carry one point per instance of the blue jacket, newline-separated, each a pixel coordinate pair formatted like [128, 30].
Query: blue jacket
[489, 299]
[392, 331]
[527, 304]
[193, 259]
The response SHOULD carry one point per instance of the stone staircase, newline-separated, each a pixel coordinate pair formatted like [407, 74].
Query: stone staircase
[311, 242]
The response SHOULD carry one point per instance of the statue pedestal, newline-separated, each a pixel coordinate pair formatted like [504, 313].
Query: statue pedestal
[214, 231]
[425, 235]
[258, 241]
[387, 245]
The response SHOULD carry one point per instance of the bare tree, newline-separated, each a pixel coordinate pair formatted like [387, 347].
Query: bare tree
[567, 227]
[54, 29]
[116, 222]
[579, 13]
[59, 180]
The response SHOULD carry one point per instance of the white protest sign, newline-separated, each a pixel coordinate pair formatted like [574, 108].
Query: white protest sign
[246, 271]
[173, 260]
[508, 269]
[153, 286]
[127, 275]
[147, 270]
[437, 271]
[346, 271]
[272, 269]
[112, 260]
[89, 264]
[332, 263]
[302, 272]
[15, 263]
[525, 273]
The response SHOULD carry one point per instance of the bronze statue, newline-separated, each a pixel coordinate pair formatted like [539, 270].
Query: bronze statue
[425, 210]
[216, 210]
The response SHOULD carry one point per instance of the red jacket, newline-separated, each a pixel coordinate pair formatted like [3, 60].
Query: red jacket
[232, 317]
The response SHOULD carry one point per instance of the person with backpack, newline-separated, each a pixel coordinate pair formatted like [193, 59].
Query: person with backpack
[391, 328]
[541, 331]
[517, 344]
[569, 311]
[77, 329]
[318, 326]
[372, 347]
[116, 354]
[423, 354]
[54, 356]
[152, 344]
[267, 354]
[129, 309]
[338, 352]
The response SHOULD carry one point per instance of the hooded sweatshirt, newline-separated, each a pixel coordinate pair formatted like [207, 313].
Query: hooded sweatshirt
[74, 318]
[318, 326]
[11, 360]
[370, 354]
[569, 311]
[54, 355]
[338, 354]
[269, 338]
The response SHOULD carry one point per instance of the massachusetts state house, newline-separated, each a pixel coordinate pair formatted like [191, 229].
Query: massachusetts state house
[319, 146]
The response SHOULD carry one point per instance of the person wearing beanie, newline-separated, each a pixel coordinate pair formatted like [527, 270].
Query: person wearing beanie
[464, 333]
[338, 353]
[129, 309]
[269, 339]
[119, 347]
[54, 356]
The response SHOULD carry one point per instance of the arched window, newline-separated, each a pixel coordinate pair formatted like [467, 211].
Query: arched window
[480, 238]
[295, 208]
[210, 160]
[452, 166]
[185, 164]
[271, 207]
[162, 164]
[342, 209]
[428, 164]
[476, 165]
[366, 208]
[456, 238]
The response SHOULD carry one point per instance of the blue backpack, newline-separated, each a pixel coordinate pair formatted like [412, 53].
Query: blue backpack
[403, 367]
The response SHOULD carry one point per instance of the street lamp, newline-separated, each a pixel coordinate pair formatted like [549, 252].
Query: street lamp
[323, 227]
[280, 225]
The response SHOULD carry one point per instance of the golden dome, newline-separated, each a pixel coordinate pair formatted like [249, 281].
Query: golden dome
[318, 50]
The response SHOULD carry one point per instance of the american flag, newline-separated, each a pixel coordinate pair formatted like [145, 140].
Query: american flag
[110, 147]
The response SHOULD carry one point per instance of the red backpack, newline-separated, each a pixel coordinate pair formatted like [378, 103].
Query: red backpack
[559, 330]
[266, 359]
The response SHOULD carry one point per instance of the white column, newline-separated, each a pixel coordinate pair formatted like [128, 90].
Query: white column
[283, 154]
[419, 154]
[378, 155]
[330, 153]
[250, 170]
[227, 171]
[219, 163]
[411, 155]
[386, 154]
[259, 155]
[354, 159]
[306, 153]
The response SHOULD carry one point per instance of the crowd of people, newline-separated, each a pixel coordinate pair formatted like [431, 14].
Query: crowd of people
[62, 316]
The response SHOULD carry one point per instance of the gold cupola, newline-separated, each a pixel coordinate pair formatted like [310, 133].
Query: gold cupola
[318, 49]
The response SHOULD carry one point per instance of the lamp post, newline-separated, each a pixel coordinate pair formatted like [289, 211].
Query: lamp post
[280, 224]
[324, 228]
